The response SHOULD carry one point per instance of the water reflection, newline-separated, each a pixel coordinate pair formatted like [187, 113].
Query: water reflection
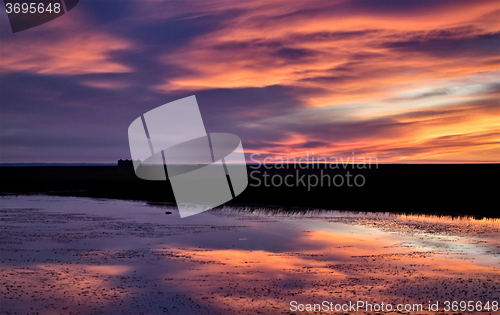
[109, 256]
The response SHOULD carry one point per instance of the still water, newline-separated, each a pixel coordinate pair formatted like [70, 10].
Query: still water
[66, 255]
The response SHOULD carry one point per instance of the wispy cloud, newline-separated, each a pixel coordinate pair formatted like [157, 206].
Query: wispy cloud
[402, 80]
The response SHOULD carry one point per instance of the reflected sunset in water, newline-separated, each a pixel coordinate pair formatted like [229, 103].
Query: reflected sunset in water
[105, 255]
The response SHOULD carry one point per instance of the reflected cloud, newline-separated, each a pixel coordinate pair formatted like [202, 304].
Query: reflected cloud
[110, 255]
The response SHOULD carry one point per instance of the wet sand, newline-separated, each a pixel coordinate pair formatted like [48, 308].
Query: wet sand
[68, 255]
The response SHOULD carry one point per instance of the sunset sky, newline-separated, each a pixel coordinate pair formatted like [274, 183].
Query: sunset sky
[403, 81]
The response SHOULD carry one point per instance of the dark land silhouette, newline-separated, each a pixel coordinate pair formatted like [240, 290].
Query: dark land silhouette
[468, 189]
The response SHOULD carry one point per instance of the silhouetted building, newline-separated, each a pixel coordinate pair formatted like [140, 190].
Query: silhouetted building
[125, 163]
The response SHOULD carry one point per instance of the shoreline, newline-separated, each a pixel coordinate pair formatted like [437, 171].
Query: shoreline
[271, 208]
[450, 189]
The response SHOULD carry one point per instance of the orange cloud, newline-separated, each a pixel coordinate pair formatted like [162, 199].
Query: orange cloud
[367, 65]
[79, 54]
[251, 51]
[65, 46]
